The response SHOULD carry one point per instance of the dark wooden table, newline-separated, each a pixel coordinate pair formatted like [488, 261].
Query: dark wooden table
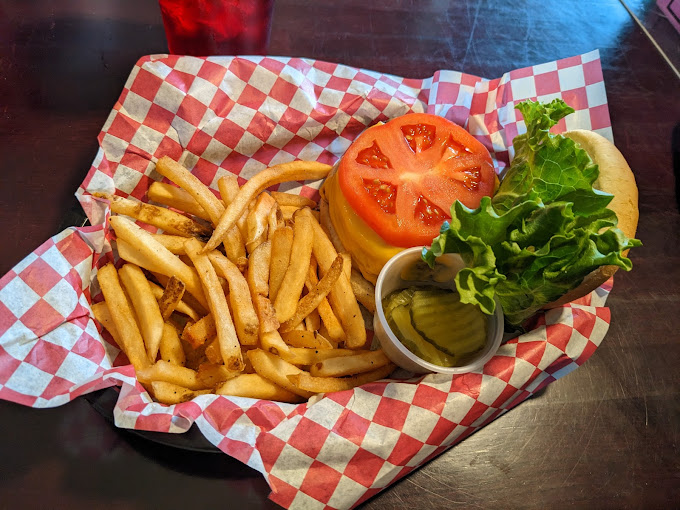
[605, 436]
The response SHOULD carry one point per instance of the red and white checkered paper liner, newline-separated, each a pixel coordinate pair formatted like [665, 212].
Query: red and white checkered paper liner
[232, 114]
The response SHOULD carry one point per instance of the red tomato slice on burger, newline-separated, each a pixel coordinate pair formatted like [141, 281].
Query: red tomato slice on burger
[402, 177]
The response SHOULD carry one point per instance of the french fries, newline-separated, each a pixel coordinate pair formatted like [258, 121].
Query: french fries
[296, 170]
[273, 314]
[217, 302]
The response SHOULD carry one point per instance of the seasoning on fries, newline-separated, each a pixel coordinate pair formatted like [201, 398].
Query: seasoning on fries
[266, 308]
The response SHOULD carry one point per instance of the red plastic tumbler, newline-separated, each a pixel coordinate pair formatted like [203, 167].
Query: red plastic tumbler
[217, 27]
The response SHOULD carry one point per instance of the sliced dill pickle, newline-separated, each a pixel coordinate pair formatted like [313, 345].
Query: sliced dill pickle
[397, 298]
[400, 322]
[456, 328]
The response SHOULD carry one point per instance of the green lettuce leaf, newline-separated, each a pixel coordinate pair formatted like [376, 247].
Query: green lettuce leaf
[544, 230]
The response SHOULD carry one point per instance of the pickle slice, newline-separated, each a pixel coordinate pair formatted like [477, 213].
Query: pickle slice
[459, 329]
[397, 298]
[400, 322]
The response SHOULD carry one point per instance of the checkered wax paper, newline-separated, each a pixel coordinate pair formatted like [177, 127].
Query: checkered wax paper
[231, 114]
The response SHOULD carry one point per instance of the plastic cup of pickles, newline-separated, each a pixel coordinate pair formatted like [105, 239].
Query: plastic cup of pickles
[420, 322]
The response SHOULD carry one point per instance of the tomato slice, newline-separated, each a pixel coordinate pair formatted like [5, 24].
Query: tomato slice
[402, 177]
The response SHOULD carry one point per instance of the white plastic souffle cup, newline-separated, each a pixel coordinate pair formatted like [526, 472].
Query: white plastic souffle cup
[389, 279]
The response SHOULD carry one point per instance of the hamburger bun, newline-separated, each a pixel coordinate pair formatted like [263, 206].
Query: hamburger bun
[617, 179]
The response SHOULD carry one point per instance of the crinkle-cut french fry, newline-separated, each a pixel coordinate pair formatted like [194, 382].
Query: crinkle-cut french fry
[171, 297]
[350, 365]
[294, 171]
[132, 343]
[171, 347]
[302, 356]
[305, 382]
[178, 174]
[146, 307]
[230, 348]
[163, 261]
[276, 370]
[281, 242]
[314, 297]
[300, 254]
[303, 338]
[327, 225]
[363, 290]
[258, 270]
[342, 298]
[172, 394]
[102, 314]
[168, 372]
[298, 201]
[170, 221]
[257, 221]
[257, 387]
[240, 301]
[177, 198]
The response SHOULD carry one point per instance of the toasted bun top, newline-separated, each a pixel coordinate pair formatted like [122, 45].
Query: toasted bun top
[616, 178]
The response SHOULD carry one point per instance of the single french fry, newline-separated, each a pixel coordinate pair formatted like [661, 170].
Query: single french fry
[341, 297]
[102, 314]
[257, 221]
[363, 290]
[258, 270]
[228, 186]
[303, 338]
[312, 320]
[230, 348]
[174, 244]
[274, 221]
[281, 241]
[288, 211]
[294, 171]
[171, 297]
[240, 301]
[346, 264]
[275, 369]
[176, 172]
[177, 198]
[172, 394]
[168, 372]
[314, 297]
[162, 261]
[212, 351]
[304, 381]
[171, 347]
[189, 304]
[271, 341]
[212, 374]
[294, 279]
[257, 387]
[200, 331]
[298, 201]
[170, 221]
[146, 307]
[350, 365]
[266, 314]
[132, 343]
[305, 356]
[327, 225]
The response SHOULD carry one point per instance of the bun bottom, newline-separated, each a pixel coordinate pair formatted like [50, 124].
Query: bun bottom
[616, 178]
